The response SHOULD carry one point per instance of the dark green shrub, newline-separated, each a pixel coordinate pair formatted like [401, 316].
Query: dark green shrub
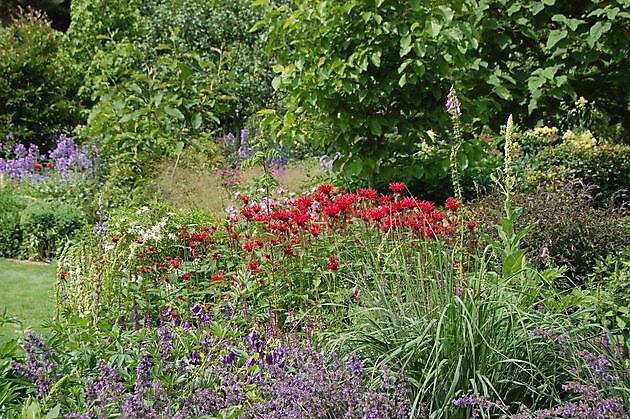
[36, 91]
[218, 30]
[568, 228]
[10, 232]
[46, 225]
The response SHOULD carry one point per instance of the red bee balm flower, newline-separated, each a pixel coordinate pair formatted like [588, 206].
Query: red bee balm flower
[50, 165]
[471, 225]
[333, 263]
[451, 204]
[325, 188]
[37, 166]
[397, 187]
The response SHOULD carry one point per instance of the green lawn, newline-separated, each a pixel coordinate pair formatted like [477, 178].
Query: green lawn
[26, 292]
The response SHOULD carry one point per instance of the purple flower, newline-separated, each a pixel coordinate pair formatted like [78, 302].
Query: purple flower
[452, 103]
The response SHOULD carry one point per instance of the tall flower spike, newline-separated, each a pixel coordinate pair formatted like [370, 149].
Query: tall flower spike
[453, 105]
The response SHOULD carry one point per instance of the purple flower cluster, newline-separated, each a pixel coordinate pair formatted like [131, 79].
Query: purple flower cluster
[104, 392]
[39, 366]
[20, 163]
[301, 382]
[67, 160]
[453, 105]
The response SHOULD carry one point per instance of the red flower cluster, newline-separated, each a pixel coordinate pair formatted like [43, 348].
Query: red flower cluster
[267, 240]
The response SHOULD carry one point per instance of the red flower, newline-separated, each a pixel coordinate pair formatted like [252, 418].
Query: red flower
[186, 276]
[115, 238]
[333, 263]
[332, 210]
[245, 199]
[248, 247]
[50, 165]
[397, 187]
[176, 262]
[451, 204]
[471, 225]
[217, 277]
[288, 250]
[37, 166]
[63, 274]
[253, 265]
[367, 193]
[325, 188]
[315, 230]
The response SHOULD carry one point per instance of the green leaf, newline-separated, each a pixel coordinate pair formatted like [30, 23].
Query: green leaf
[375, 57]
[53, 413]
[436, 27]
[405, 45]
[555, 36]
[174, 112]
[403, 80]
[275, 83]
[502, 92]
[596, 32]
[375, 127]
[196, 121]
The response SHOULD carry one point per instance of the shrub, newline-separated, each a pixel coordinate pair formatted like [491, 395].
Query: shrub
[217, 30]
[556, 160]
[369, 82]
[46, 225]
[36, 91]
[568, 229]
[10, 232]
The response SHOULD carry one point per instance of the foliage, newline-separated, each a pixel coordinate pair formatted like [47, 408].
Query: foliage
[219, 31]
[36, 92]
[10, 233]
[366, 77]
[605, 299]
[46, 225]
[598, 386]
[557, 160]
[532, 56]
[93, 24]
[374, 77]
[143, 115]
[567, 228]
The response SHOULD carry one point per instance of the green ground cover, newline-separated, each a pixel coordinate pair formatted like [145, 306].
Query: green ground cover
[26, 292]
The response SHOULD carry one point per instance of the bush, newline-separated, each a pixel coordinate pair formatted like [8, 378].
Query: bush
[10, 232]
[36, 92]
[375, 79]
[568, 228]
[557, 160]
[46, 225]
[216, 30]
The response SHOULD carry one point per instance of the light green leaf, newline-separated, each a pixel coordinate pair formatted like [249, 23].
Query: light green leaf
[174, 112]
[275, 83]
[436, 27]
[403, 80]
[375, 57]
[596, 32]
[448, 14]
[555, 36]
[196, 121]
[405, 45]
[502, 92]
